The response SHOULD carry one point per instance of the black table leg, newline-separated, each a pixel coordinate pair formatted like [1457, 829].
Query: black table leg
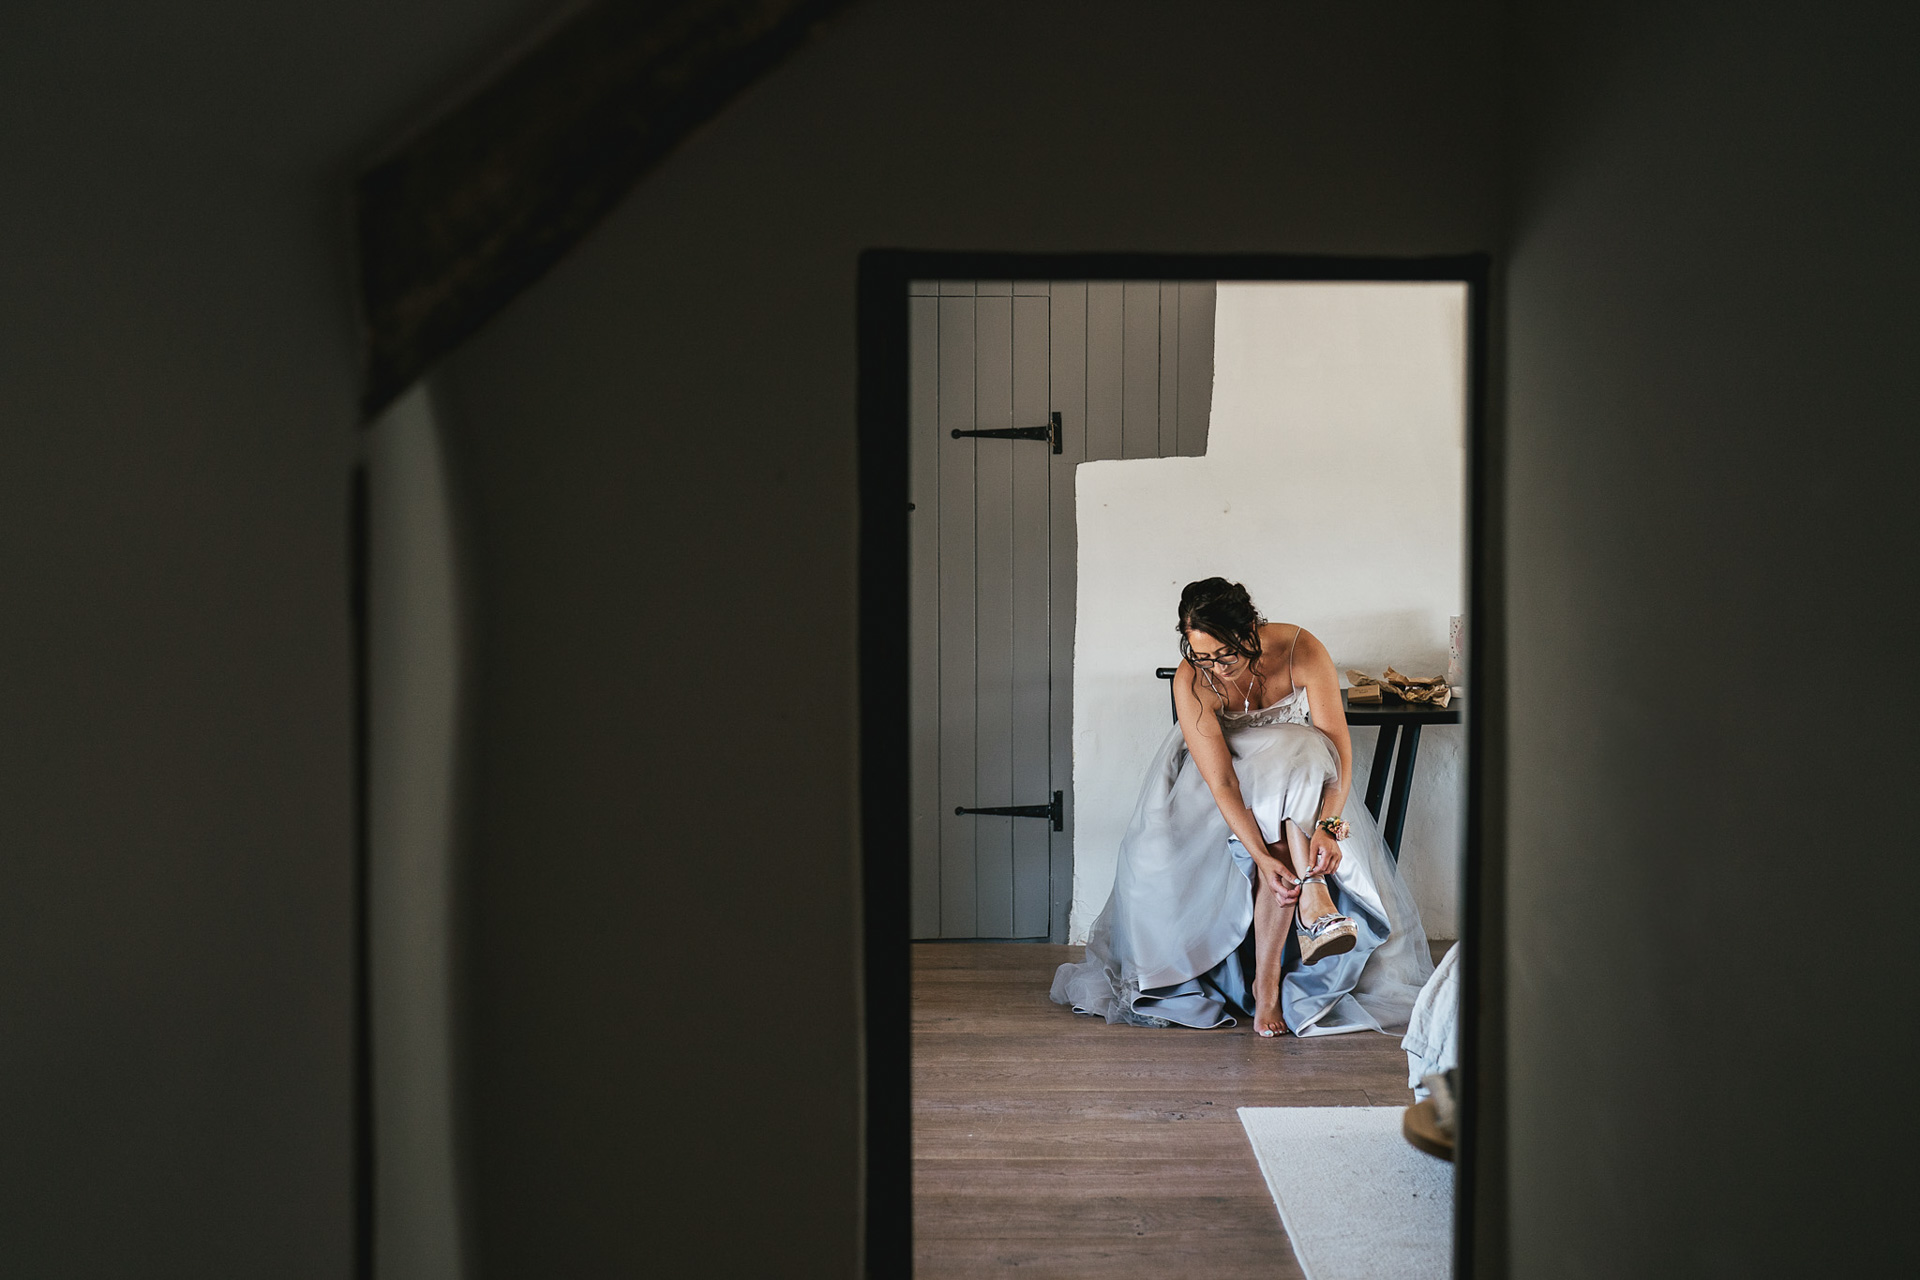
[1377, 776]
[1402, 784]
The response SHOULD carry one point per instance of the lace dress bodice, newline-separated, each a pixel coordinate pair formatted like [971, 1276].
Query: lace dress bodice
[1291, 709]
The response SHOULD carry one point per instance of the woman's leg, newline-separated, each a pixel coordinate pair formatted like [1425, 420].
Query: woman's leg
[1271, 920]
[1315, 901]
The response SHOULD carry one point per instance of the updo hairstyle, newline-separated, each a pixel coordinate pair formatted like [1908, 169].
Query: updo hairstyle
[1224, 611]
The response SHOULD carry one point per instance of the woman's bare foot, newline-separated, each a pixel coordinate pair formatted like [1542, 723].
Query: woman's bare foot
[1267, 1021]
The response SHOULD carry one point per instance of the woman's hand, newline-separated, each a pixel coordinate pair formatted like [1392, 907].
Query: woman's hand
[1278, 878]
[1323, 854]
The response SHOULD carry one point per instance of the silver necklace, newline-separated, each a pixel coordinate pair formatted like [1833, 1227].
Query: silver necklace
[1246, 695]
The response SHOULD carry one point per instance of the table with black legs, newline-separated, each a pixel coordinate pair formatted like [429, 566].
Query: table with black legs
[1400, 724]
[1402, 721]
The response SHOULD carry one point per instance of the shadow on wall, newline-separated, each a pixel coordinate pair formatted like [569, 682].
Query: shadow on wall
[1334, 487]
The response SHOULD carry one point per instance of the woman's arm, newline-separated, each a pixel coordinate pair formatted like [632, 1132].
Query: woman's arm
[1313, 668]
[1208, 746]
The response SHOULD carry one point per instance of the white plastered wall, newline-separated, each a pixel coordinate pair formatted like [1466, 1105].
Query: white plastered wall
[1334, 488]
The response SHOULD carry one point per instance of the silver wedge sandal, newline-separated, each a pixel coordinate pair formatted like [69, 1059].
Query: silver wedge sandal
[1330, 935]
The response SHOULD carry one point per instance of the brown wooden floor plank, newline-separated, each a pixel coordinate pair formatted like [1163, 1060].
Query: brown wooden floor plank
[1134, 1108]
[1013, 1137]
[1234, 1084]
[1051, 1144]
[1164, 1256]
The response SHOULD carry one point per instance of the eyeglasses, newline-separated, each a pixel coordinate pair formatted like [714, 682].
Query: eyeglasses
[1225, 659]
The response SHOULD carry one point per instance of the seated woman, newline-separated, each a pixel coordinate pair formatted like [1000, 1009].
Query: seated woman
[1239, 824]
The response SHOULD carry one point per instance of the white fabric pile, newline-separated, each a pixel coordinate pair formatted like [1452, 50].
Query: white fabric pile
[1432, 1041]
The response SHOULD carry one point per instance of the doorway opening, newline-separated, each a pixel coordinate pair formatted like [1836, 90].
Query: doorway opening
[1002, 582]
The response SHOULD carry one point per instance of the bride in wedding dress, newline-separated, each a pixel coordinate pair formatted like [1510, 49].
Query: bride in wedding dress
[1241, 826]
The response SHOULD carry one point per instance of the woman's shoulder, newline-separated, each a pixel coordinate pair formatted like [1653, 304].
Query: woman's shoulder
[1293, 640]
[1285, 636]
[1186, 679]
[1309, 652]
[1185, 673]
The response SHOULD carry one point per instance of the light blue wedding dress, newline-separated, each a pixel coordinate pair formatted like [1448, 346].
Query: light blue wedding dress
[1174, 944]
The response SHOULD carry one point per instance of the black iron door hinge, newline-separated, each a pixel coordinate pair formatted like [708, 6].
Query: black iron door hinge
[1049, 433]
[1057, 811]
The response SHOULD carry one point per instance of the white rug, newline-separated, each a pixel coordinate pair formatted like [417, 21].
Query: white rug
[1358, 1202]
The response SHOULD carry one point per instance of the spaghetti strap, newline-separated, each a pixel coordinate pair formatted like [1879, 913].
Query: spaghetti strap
[1297, 629]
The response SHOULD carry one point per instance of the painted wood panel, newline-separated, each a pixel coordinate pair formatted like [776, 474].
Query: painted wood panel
[993, 783]
[1140, 371]
[923, 622]
[1106, 347]
[957, 533]
[1068, 356]
[1195, 366]
[1168, 363]
[1033, 465]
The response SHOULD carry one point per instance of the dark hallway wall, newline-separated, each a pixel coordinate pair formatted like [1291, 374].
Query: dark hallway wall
[1714, 307]
[659, 449]
[177, 379]
[1709, 424]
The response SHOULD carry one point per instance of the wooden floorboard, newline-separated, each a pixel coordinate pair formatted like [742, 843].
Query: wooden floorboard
[1057, 1146]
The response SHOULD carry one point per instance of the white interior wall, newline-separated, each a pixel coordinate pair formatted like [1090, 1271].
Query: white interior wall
[1334, 488]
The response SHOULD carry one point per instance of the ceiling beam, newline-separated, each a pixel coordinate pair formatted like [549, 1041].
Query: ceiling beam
[455, 222]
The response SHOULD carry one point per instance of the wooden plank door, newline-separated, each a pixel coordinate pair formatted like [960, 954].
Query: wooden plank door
[1128, 367]
[983, 656]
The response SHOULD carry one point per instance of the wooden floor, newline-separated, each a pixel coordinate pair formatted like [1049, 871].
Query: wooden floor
[1049, 1144]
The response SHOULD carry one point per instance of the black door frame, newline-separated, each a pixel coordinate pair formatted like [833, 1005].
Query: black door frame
[883, 445]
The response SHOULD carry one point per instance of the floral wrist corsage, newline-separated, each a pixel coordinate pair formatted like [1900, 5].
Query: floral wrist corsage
[1336, 826]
